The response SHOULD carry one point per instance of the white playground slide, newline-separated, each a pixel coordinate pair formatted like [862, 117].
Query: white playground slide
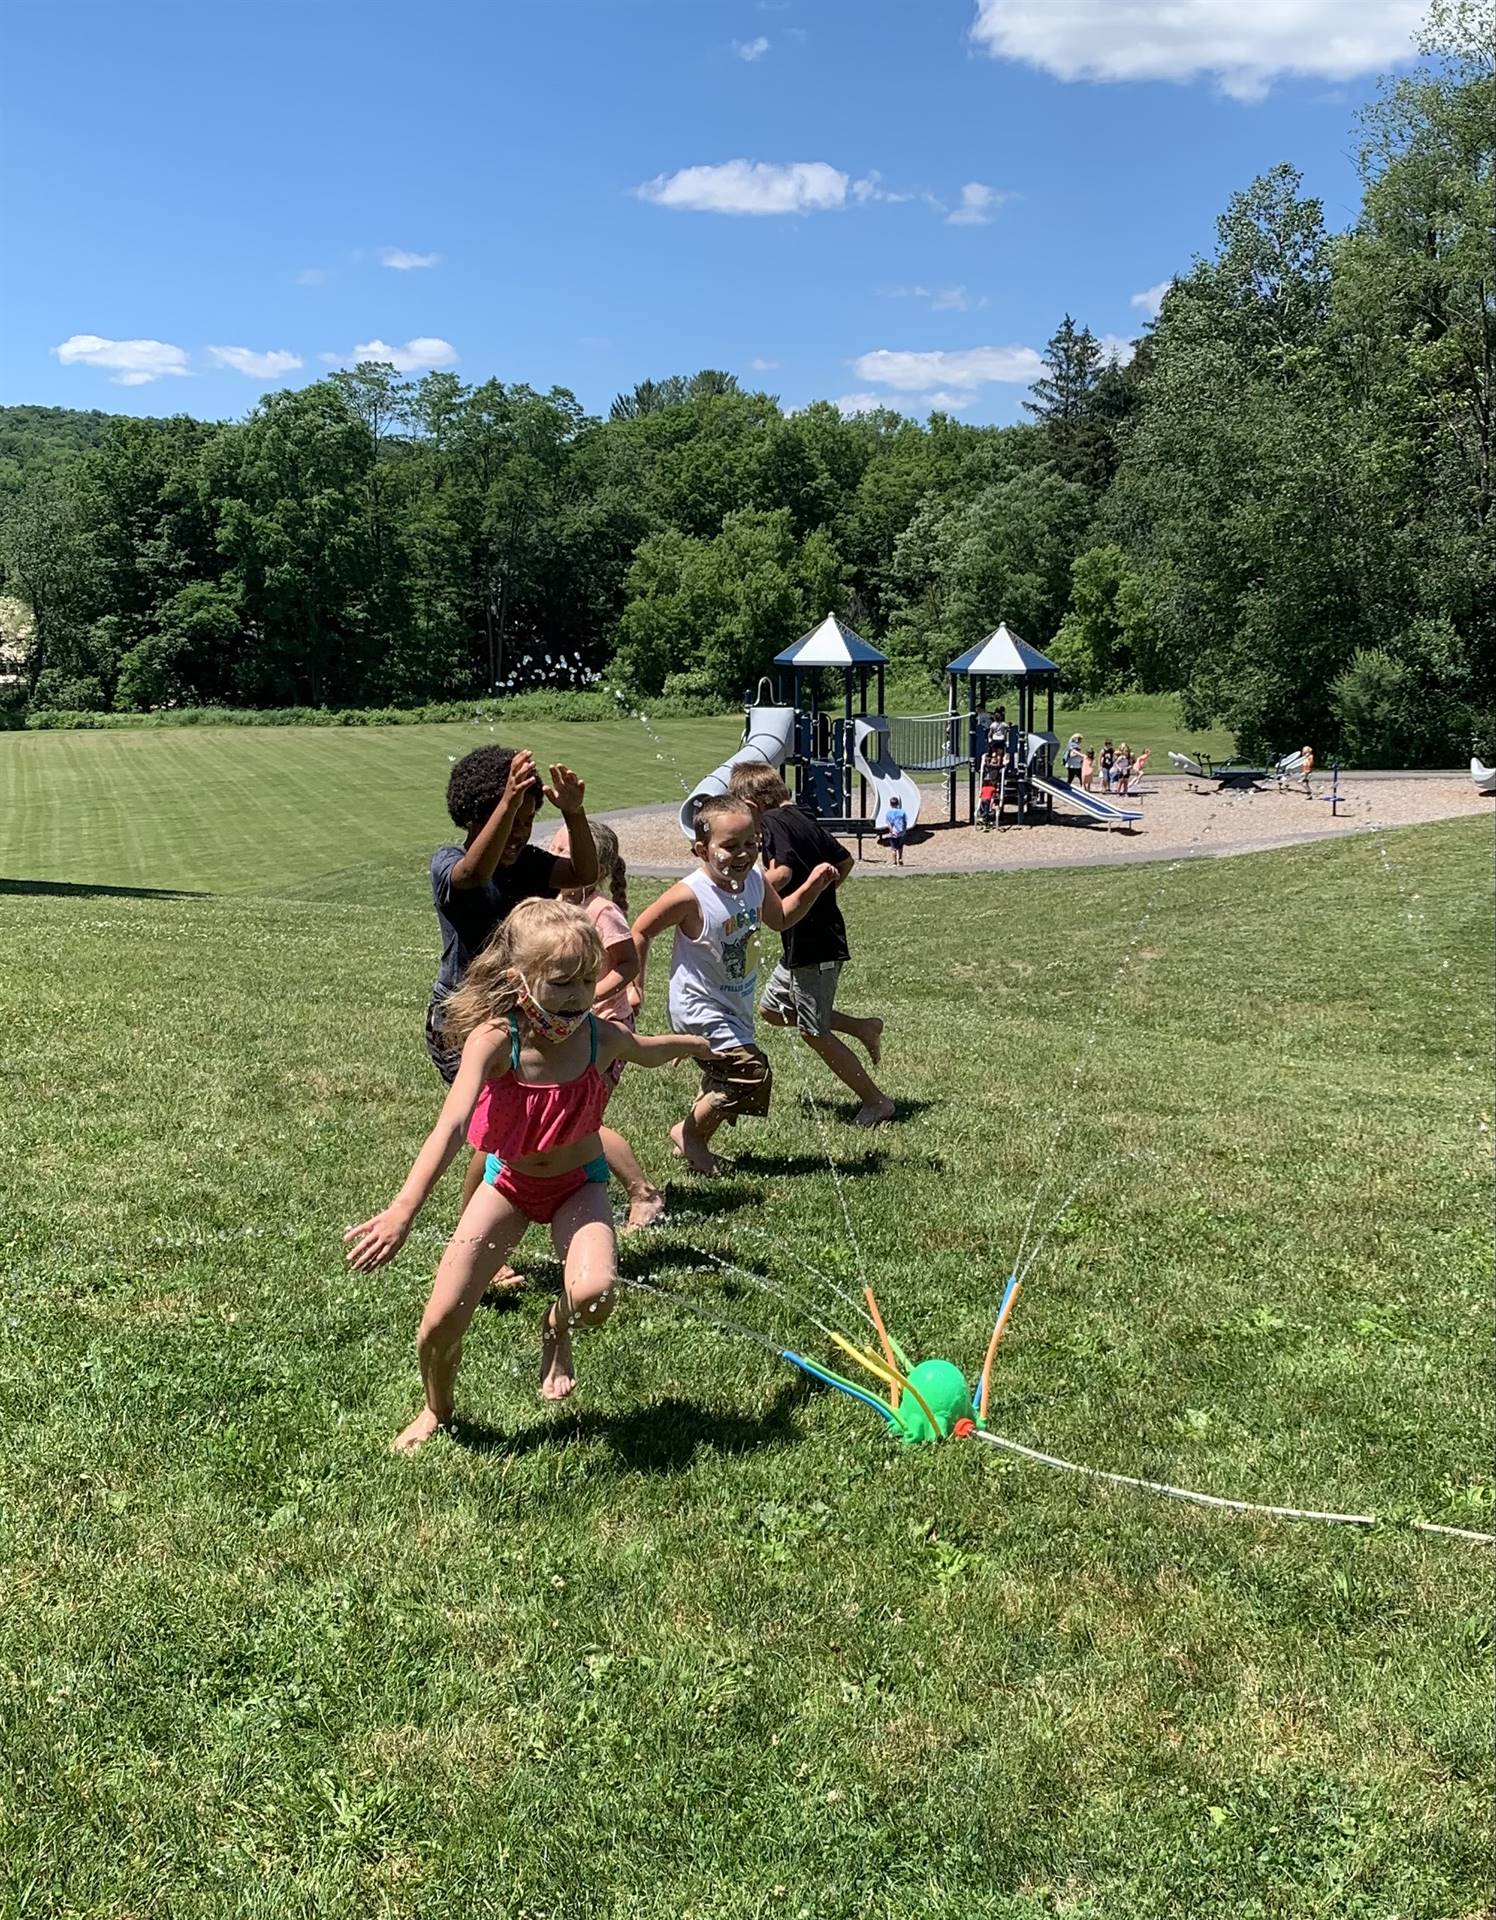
[872, 759]
[1094, 804]
[768, 739]
[1483, 776]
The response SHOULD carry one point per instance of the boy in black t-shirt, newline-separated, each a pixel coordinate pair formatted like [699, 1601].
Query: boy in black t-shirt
[802, 989]
[493, 794]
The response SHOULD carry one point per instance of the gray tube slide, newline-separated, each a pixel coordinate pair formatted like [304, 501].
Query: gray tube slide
[768, 740]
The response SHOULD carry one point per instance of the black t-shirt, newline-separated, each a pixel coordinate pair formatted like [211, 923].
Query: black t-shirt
[468, 916]
[793, 839]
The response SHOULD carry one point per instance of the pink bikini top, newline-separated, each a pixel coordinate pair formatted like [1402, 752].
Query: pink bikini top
[516, 1117]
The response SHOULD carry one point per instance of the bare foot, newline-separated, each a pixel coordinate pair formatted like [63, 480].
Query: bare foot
[556, 1377]
[871, 1037]
[874, 1116]
[417, 1433]
[645, 1208]
[691, 1150]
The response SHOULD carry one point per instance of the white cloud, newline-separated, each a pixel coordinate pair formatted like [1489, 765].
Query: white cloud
[762, 366]
[851, 404]
[751, 49]
[978, 202]
[256, 366]
[132, 363]
[750, 186]
[915, 405]
[1243, 49]
[1116, 348]
[404, 262]
[416, 356]
[871, 187]
[1151, 299]
[963, 372]
[941, 299]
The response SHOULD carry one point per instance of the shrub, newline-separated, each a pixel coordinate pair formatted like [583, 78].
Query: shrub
[1404, 706]
[543, 703]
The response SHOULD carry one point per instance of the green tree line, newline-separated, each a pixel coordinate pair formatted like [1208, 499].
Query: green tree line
[1280, 508]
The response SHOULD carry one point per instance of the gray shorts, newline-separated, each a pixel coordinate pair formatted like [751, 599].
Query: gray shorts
[803, 996]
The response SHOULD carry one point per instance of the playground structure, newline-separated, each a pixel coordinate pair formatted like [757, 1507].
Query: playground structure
[1027, 774]
[843, 750]
[838, 752]
[1231, 776]
[1483, 776]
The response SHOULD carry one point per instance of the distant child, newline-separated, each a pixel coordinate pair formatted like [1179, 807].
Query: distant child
[896, 825]
[1121, 768]
[802, 988]
[1108, 761]
[991, 782]
[493, 795]
[522, 1020]
[1074, 759]
[1306, 769]
[1087, 770]
[715, 913]
[1137, 770]
[607, 906]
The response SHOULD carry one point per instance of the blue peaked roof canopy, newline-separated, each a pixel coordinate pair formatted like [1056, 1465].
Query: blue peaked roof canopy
[831, 644]
[1002, 654]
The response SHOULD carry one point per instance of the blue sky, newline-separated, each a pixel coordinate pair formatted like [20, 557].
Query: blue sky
[899, 198]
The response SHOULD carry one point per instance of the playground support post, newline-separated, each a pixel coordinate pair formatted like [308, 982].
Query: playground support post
[953, 736]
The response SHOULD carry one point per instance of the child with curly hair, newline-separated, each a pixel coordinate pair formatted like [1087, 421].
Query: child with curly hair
[522, 1020]
[493, 795]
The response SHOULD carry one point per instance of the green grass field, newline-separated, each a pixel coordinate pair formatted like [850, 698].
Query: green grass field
[703, 1642]
[334, 813]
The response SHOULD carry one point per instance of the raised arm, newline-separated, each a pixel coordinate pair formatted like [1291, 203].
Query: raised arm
[375, 1242]
[788, 912]
[480, 861]
[577, 867]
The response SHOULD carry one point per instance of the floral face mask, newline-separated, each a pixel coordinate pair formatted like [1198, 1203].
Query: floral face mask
[550, 1027]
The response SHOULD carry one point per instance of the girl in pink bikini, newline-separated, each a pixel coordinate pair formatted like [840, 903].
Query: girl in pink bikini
[523, 1019]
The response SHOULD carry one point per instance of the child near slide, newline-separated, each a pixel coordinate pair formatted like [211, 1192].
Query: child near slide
[523, 1022]
[715, 915]
[896, 822]
[802, 988]
[493, 795]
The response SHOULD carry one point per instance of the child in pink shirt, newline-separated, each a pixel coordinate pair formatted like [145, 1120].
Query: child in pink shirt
[606, 906]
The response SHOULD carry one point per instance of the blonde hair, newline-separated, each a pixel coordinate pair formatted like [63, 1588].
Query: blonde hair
[612, 868]
[759, 785]
[541, 939]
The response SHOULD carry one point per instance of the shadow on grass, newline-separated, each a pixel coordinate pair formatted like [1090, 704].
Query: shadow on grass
[846, 1111]
[79, 890]
[689, 1203]
[864, 1167]
[663, 1438]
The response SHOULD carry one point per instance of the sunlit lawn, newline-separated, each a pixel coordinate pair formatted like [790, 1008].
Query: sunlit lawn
[704, 1641]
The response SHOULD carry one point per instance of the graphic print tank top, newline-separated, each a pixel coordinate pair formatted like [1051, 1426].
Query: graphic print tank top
[712, 979]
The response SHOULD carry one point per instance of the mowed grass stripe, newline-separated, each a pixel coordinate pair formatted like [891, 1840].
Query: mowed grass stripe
[253, 810]
[705, 1640]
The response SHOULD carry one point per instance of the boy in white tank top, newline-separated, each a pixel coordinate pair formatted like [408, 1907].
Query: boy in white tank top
[716, 913]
